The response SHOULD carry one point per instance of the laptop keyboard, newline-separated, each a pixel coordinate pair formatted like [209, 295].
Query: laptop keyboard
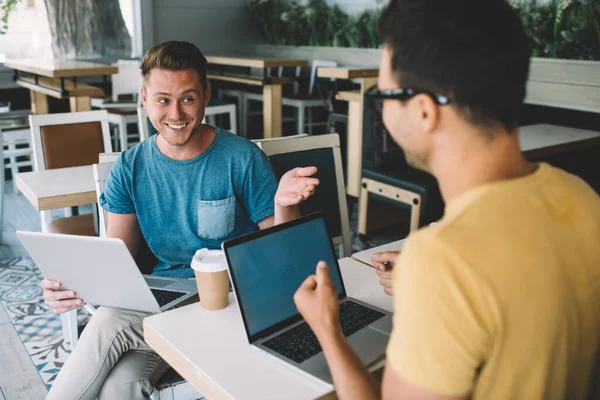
[300, 343]
[164, 297]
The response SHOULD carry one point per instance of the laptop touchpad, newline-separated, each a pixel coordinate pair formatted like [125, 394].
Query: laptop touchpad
[157, 282]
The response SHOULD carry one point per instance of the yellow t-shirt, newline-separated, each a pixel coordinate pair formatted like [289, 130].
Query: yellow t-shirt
[501, 299]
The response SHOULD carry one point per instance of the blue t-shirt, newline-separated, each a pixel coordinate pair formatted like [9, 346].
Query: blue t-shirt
[185, 205]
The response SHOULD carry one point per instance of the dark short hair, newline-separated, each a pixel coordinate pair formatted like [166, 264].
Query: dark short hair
[473, 51]
[174, 56]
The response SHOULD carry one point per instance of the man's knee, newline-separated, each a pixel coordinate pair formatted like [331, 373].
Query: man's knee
[133, 377]
[119, 387]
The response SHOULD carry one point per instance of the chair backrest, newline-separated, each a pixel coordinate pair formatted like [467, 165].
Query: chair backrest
[259, 142]
[108, 157]
[69, 139]
[322, 151]
[128, 80]
[144, 124]
[100, 174]
[316, 64]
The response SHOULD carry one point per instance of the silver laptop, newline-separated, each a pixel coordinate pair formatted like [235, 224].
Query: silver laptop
[102, 272]
[266, 269]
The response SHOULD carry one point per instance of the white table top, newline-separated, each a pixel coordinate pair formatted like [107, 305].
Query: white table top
[365, 255]
[544, 139]
[211, 351]
[58, 188]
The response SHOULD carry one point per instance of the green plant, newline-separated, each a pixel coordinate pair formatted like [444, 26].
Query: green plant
[6, 6]
[313, 23]
[569, 29]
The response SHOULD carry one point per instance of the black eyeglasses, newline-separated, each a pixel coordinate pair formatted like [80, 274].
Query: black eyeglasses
[402, 94]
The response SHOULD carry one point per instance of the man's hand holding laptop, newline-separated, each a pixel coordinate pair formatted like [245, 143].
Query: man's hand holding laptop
[60, 300]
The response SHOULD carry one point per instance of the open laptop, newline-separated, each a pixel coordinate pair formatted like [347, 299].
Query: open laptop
[266, 269]
[102, 271]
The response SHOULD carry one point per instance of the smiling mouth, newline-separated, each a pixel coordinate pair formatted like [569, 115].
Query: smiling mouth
[177, 127]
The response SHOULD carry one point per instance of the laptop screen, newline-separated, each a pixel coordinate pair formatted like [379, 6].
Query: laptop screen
[267, 267]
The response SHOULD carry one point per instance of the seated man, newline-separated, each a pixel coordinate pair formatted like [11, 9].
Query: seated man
[499, 299]
[188, 187]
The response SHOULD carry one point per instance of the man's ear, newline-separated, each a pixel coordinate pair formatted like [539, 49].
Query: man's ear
[143, 96]
[426, 112]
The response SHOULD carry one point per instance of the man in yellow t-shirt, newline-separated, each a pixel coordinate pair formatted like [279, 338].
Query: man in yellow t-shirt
[501, 298]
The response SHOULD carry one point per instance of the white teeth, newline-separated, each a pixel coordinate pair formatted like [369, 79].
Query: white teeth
[176, 126]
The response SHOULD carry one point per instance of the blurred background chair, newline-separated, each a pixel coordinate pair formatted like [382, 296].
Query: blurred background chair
[16, 142]
[69, 140]
[323, 152]
[301, 96]
[388, 178]
[122, 104]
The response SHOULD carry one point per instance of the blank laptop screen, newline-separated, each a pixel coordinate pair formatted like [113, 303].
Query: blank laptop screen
[268, 270]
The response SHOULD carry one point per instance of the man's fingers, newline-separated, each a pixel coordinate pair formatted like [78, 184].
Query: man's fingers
[49, 284]
[379, 266]
[323, 275]
[61, 295]
[309, 283]
[311, 181]
[386, 283]
[305, 171]
[384, 274]
[65, 305]
[385, 256]
[388, 291]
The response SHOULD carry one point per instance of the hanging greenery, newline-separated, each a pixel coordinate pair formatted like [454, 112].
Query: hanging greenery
[314, 23]
[6, 7]
[563, 29]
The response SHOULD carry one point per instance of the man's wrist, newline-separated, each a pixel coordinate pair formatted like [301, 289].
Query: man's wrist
[330, 335]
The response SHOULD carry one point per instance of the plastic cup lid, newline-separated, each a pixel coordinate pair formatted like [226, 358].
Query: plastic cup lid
[206, 260]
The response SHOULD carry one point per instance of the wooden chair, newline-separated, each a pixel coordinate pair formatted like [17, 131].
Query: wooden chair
[322, 151]
[387, 177]
[68, 140]
[303, 103]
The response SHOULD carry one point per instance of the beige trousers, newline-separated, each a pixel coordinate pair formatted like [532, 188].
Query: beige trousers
[110, 361]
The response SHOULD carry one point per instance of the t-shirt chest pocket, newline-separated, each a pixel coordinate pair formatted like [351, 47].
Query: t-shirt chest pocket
[216, 218]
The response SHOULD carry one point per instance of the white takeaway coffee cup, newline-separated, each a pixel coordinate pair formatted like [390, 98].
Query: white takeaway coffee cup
[210, 268]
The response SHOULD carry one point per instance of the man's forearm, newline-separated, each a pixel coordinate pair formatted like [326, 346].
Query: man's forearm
[351, 378]
[285, 214]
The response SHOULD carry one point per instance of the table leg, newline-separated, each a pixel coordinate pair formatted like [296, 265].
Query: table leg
[80, 104]
[272, 111]
[39, 102]
[354, 148]
[355, 139]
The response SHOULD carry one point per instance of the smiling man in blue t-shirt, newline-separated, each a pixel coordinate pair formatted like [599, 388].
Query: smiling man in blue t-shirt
[189, 186]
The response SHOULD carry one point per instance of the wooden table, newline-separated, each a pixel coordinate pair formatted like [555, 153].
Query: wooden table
[544, 140]
[271, 86]
[211, 351]
[58, 188]
[368, 78]
[48, 78]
